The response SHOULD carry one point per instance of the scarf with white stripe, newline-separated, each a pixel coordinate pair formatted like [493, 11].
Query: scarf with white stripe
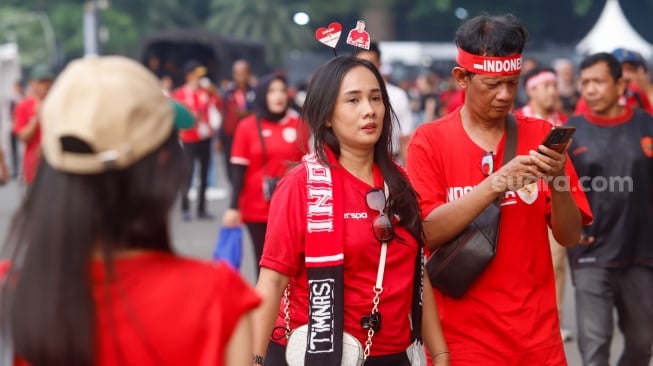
[324, 261]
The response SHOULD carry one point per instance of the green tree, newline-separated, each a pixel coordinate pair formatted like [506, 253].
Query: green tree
[268, 21]
[32, 32]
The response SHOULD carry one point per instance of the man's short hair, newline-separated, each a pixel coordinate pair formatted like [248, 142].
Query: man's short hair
[492, 35]
[613, 63]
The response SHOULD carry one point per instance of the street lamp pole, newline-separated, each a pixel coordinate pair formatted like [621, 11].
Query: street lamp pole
[91, 47]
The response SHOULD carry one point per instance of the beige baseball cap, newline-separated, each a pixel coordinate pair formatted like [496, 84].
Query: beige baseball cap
[105, 113]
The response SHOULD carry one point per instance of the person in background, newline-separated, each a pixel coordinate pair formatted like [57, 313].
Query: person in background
[198, 139]
[509, 315]
[17, 97]
[567, 85]
[266, 145]
[238, 104]
[528, 64]
[337, 222]
[635, 72]
[541, 86]
[27, 119]
[90, 273]
[634, 95]
[400, 104]
[613, 142]
[4, 170]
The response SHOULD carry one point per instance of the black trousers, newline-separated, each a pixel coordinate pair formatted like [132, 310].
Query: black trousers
[197, 151]
[257, 234]
[276, 356]
[14, 156]
[227, 142]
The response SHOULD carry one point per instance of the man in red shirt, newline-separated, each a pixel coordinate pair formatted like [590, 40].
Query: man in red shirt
[27, 119]
[238, 104]
[358, 37]
[508, 316]
[197, 139]
[541, 86]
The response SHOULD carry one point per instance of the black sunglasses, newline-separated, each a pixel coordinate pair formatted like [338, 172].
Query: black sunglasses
[382, 225]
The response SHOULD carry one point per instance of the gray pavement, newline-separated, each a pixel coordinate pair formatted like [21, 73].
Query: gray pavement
[197, 238]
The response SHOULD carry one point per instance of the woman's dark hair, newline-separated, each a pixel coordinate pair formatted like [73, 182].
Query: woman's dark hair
[65, 219]
[613, 63]
[318, 108]
[261, 99]
[488, 35]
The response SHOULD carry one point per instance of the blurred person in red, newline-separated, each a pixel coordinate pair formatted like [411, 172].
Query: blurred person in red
[27, 119]
[198, 139]
[509, 315]
[638, 85]
[541, 86]
[266, 145]
[238, 104]
[90, 273]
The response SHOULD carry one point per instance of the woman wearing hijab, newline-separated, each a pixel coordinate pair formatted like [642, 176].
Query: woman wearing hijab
[265, 145]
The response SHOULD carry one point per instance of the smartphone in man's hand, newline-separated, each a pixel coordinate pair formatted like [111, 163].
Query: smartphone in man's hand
[558, 138]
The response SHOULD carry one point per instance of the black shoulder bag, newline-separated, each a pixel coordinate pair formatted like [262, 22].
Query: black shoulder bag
[269, 183]
[454, 266]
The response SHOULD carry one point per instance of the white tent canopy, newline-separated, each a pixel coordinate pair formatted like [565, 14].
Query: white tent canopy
[611, 31]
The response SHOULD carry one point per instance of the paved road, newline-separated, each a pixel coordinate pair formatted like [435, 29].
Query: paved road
[196, 239]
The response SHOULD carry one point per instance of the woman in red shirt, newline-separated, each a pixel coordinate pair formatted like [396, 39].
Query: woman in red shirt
[266, 145]
[344, 241]
[92, 278]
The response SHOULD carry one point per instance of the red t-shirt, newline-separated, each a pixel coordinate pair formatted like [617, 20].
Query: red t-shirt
[510, 312]
[168, 310]
[284, 252]
[198, 100]
[286, 142]
[25, 110]
[556, 118]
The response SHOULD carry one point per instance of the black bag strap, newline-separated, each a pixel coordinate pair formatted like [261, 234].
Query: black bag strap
[260, 136]
[510, 147]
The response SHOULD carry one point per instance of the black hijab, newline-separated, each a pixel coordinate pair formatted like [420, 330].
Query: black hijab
[260, 101]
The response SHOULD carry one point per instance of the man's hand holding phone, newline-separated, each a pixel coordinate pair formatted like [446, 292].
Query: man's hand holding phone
[551, 155]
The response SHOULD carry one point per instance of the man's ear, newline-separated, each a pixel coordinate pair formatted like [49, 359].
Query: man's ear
[460, 76]
[622, 84]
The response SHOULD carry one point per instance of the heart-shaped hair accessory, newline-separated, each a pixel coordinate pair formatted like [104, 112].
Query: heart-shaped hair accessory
[329, 35]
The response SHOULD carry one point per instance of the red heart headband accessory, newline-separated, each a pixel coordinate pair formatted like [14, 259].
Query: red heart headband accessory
[329, 35]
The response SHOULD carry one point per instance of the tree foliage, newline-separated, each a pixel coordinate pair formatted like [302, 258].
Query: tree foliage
[270, 21]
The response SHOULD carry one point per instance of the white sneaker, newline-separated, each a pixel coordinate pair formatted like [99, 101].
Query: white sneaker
[566, 334]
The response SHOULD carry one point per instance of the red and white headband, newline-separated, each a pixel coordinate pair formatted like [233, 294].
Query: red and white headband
[489, 65]
[540, 78]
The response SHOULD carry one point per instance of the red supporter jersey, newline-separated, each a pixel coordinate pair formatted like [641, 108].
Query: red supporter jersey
[198, 101]
[286, 142]
[284, 252]
[556, 118]
[25, 110]
[167, 310]
[510, 312]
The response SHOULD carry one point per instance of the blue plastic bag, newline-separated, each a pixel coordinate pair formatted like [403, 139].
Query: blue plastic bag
[229, 245]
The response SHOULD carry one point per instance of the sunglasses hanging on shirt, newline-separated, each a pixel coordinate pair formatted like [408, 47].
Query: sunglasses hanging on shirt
[487, 163]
